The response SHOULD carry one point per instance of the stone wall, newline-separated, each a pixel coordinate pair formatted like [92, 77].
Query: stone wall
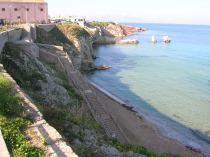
[9, 36]
[46, 27]
[4, 151]
[55, 145]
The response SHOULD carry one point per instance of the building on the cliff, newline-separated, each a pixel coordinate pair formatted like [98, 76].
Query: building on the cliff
[26, 11]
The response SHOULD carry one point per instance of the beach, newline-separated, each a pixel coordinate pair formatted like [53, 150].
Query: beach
[137, 129]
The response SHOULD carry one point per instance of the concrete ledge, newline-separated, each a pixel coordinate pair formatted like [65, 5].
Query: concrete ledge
[3, 148]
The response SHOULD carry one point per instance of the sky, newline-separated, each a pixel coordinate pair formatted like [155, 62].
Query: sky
[147, 11]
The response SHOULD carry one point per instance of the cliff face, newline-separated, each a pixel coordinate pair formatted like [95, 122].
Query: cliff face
[81, 53]
[48, 86]
[75, 40]
[30, 73]
[112, 33]
[117, 30]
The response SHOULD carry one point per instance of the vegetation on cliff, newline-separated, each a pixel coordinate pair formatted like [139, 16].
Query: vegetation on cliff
[71, 119]
[101, 24]
[76, 41]
[63, 108]
[13, 122]
[61, 34]
[139, 150]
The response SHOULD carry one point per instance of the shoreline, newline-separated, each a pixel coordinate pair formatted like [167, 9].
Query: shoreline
[152, 138]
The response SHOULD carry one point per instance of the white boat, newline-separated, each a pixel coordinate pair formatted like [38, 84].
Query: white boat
[154, 39]
[166, 39]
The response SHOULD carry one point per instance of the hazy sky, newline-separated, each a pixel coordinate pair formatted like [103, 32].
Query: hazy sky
[153, 11]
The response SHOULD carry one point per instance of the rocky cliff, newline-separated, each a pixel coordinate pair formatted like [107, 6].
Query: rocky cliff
[51, 88]
[78, 41]
[75, 40]
[112, 33]
[65, 110]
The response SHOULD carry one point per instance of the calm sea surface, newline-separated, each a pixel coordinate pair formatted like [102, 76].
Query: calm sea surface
[168, 83]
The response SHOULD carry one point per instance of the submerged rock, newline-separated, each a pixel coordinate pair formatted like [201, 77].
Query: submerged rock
[128, 41]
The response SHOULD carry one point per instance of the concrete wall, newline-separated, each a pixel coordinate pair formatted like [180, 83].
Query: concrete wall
[12, 35]
[47, 27]
[3, 148]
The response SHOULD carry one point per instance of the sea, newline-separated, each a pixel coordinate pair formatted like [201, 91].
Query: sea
[167, 83]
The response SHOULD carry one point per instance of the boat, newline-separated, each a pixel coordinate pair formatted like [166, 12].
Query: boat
[154, 39]
[166, 39]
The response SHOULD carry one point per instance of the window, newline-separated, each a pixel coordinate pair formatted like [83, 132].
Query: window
[18, 17]
[3, 9]
[15, 9]
[41, 9]
[27, 9]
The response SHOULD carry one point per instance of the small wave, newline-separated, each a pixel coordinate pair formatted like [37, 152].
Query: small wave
[201, 136]
[162, 56]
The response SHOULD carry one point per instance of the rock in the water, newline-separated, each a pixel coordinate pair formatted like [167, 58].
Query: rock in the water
[128, 41]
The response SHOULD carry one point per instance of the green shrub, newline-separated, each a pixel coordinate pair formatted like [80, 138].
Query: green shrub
[84, 151]
[101, 24]
[13, 121]
[61, 34]
[138, 149]
[73, 30]
[10, 104]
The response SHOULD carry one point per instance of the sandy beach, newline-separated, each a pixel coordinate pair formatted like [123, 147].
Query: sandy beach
[138, 130]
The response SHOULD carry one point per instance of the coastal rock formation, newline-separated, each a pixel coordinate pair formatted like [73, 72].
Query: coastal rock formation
[75, 40]
[128, 41]
[29, 72]
[112, 33]
[111, 29]
[118, 30]
[61, 107]
[78, 41]
[66, 109]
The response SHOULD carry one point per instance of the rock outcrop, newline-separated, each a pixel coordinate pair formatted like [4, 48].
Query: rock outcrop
[78, 41]
[29, 72]
[128, 41]
[75, 40]
[112, 33]
[62, 108]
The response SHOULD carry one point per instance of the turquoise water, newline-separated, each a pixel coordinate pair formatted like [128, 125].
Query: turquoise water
[168, 83]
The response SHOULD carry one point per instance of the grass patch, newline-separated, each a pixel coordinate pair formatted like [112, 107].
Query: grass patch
[13, 121]
[63, 115]
[101, 24]
[44, 37]
[85, 151]
[61, 34]
[7, 28]
[65, 122]
[3, 28]
[73, 30]
[139, 150]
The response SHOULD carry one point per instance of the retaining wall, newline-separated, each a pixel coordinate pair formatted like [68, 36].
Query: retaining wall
[55, 144]
[9, 36]
[3, 148]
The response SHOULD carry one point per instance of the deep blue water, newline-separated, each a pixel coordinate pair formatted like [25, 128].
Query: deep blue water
[168, 83]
